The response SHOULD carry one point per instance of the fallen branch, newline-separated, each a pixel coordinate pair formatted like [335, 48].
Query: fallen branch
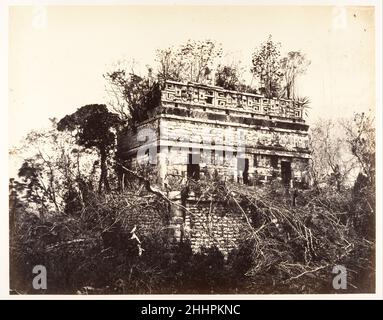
[306, 272]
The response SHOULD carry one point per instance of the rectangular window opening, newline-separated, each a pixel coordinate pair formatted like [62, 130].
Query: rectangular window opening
[209, 100]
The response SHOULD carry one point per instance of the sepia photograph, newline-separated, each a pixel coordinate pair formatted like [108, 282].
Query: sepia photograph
[193, 149]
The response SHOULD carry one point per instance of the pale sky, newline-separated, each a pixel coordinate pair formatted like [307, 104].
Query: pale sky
[57, 55]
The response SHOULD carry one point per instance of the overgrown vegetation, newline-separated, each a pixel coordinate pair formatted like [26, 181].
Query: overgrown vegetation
[133, 95]
[118, 243]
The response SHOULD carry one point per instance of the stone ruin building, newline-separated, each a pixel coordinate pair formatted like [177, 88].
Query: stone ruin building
[199, 132]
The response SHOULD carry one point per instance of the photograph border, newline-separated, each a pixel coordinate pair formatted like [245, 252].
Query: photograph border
[4, 94]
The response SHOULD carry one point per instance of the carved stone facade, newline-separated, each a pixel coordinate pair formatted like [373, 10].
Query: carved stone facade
[198, 131]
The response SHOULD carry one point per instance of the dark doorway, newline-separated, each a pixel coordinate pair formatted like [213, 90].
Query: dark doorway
[193, 166]
[243, 165]
[246, 172]
[286, 172]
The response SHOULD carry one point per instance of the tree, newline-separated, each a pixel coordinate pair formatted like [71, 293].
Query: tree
[293, 65]
[227, 77]
[170, 64]
[132, 95]
[94, 127]
[52, 166]
[34, 188]
[192, 61]
[267, 68]
[361, 140]
[332, 161]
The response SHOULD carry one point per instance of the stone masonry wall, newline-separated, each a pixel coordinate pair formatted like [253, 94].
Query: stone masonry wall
[180, 137]
[209, 225]
[207, 121]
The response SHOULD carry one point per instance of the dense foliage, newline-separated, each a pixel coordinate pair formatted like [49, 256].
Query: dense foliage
[119, 243]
